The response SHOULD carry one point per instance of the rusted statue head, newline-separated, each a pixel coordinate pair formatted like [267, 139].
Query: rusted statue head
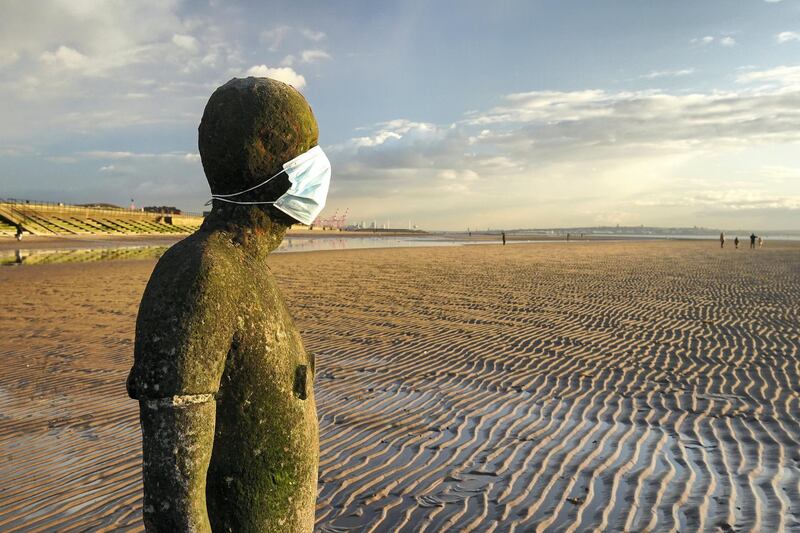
[250, 128]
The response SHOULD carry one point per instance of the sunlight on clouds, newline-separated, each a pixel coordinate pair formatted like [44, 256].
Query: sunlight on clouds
[781, 173]
[679, 137]
[616, 149]
[729, 199]
[783, 75]
[379, 138]
[460, 175]
[284, 74]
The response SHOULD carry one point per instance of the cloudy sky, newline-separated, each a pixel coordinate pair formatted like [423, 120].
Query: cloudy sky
[453, 114]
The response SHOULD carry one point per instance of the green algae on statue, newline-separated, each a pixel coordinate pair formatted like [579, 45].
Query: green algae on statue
[225, 387]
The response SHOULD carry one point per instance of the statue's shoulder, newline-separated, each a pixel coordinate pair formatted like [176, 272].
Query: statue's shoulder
[184, 325]
[196, 263]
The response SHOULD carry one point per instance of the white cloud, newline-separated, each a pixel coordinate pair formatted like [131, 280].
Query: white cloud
[452, 174]
[118, 155]
[186, 42]
[89, 37]
[728, 199]
[8, 57]
[787, 36]
[782, 75]
[16, 149]
[667, 74]
[80, 68]
[306, 56]
[379, 138]
[538, 105]
[702, 40]
[66, 57]
[274, 37]
[780, 173]
[397, 129]
[725, 40]
[103, 154]
[284, 74]
[315, 36]
[590, 154]
[598, 120]
[309, 56]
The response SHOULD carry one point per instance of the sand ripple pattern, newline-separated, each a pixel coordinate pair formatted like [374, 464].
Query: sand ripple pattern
[552, 387]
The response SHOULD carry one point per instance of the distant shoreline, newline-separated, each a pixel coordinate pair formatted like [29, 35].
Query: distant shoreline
[75, 242]
[35, 242]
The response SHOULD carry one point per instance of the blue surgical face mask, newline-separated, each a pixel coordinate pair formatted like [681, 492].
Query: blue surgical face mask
[310, 177]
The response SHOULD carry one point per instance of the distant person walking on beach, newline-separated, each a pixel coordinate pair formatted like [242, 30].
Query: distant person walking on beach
[760, 241]
[722, 240]
[19, 233]
[736, 242]
[567, 237]
[503, 233]
[752, 241]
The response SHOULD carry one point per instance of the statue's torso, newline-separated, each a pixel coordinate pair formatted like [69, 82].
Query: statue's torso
[263, 470]
[264, 463]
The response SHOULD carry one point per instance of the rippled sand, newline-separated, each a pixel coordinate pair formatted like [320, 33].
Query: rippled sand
[566, 387]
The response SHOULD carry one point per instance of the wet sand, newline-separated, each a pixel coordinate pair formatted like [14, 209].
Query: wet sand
[76, 242]
[71, 242]
[568, 387]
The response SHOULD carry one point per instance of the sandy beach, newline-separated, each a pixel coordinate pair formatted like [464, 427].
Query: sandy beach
[609, 386]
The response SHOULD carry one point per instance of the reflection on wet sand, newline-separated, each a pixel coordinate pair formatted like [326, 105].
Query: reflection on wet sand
[110, 253]
[85, 255]
[294, 244]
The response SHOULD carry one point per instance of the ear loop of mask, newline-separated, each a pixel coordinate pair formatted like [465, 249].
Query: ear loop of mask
[224, 197]
[235, 202]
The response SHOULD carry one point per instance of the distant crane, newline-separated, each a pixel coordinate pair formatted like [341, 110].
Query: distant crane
[344, 218]
[334, 222]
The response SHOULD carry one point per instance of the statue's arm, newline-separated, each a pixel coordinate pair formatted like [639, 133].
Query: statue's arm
[179, 354]
[177, 444]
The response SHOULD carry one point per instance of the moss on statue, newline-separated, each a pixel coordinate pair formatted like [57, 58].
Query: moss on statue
[225, 386]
